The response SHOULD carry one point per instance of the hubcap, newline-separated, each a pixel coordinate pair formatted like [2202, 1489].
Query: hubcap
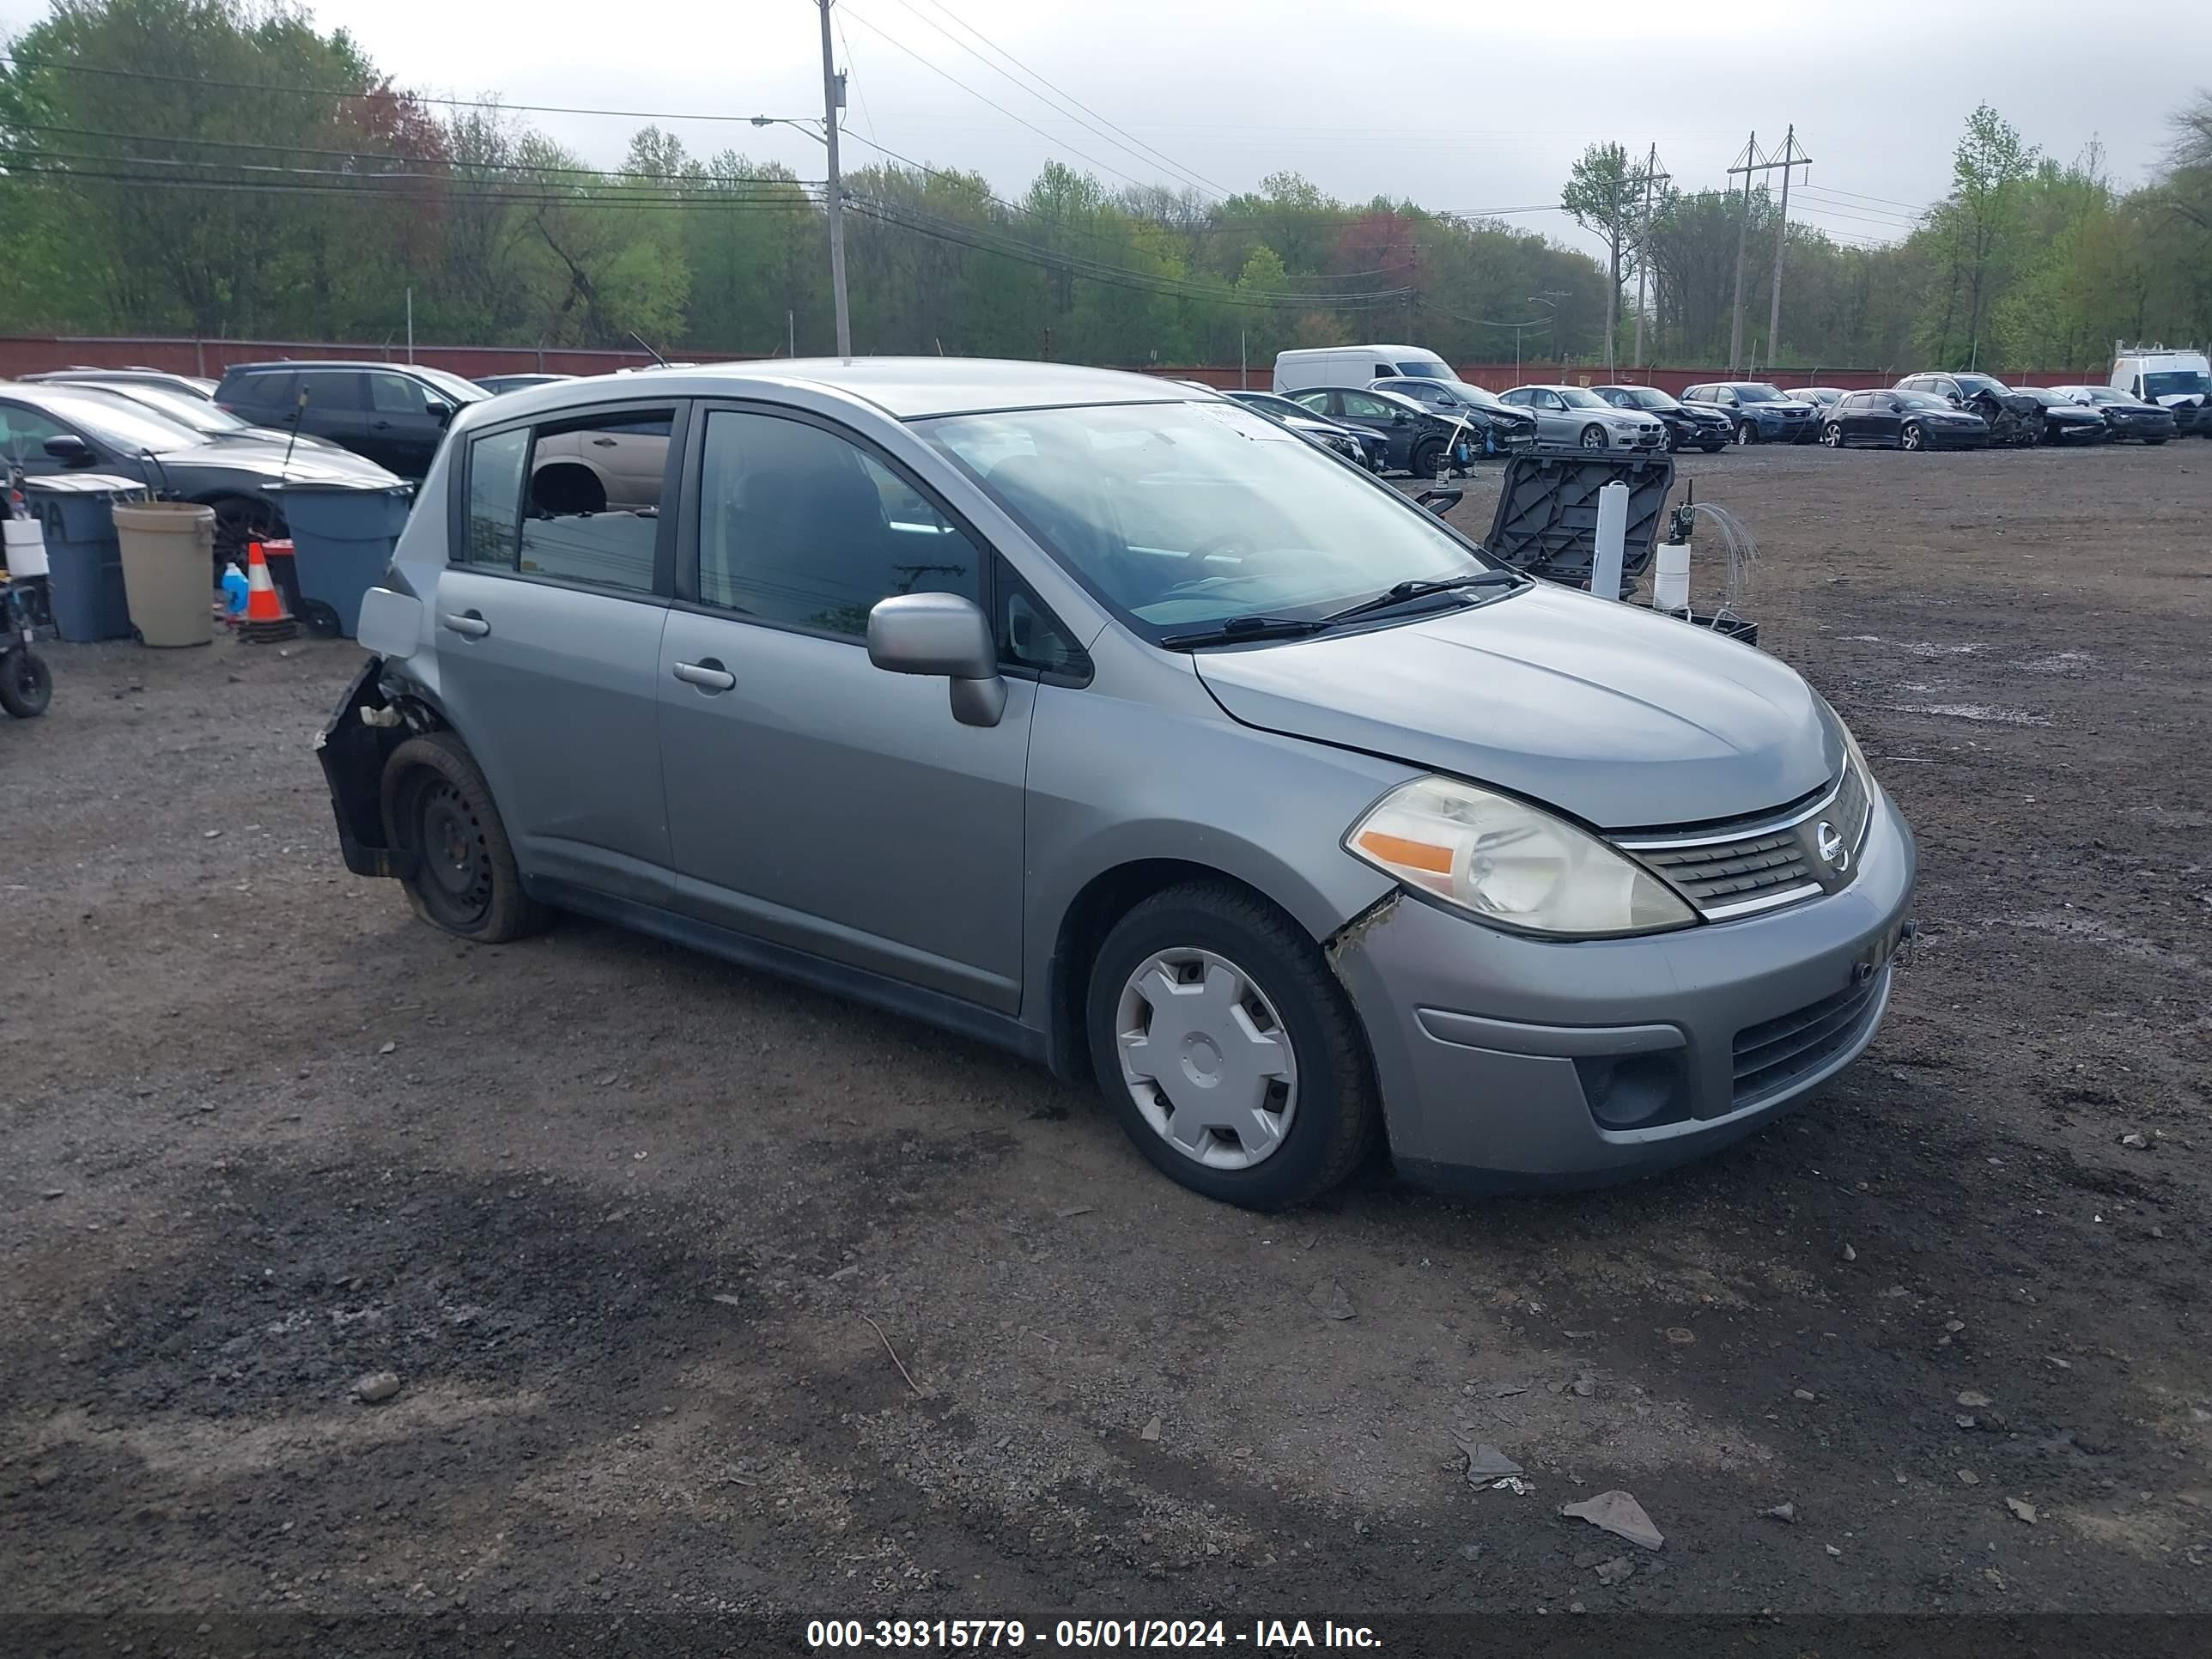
[1205, 1059]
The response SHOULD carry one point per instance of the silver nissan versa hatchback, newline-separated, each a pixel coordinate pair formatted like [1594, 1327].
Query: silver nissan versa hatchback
[1108, 720]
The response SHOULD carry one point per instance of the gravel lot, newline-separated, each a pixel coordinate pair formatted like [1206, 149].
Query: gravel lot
[647, 1240]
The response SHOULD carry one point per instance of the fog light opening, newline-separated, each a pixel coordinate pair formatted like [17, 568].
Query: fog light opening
[1633, 1091]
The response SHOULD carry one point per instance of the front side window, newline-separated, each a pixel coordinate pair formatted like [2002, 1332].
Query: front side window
[1373, 409]
[24, 432]
[1315, 401]
[1184, 514]
[395, 394]
[801, 526]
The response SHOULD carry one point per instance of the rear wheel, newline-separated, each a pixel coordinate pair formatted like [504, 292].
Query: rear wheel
[238, 521]
[27, 684]
[438, 807]
[1593, 436]
[1912, 437]
[1228, 1050]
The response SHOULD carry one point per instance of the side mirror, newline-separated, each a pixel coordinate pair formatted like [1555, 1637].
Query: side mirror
[438, 410]
[68, 449]
[1399, 418]
[942, 634]
[1953, 399]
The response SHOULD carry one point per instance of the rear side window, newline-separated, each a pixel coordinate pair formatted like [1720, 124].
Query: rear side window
[801, 526]
[593, 512]
[494, 498]
[271, 391]
[329, 389]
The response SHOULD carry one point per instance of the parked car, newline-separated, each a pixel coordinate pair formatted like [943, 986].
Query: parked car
[1758, 413]
[2125, 418]
[2177, 381]
[2064, 421]
[1902, 419]
[1822, 398]
[1689, 426]
[1576, 416]
[1499, 427]
[1069, 718]
[2012, 417]
[212, 421]
[191, 386]
[393, 413]
[1418, 439]
[52, 429]
[495, 384]
[1370, 449]
[1355, 365]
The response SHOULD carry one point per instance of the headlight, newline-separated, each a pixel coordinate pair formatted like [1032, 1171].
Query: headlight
[1505, 862]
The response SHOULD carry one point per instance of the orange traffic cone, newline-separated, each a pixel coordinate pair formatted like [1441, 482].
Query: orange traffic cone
[265, 620]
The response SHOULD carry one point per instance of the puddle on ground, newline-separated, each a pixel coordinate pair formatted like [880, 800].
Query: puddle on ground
[1973, 711]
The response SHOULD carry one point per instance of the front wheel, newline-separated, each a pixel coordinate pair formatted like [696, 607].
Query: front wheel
[1228, 1050]
[1715, 447]
[1426, 456]
[27, 684]
[2153, 443]
[1832, 435]
[1673, 441]
[1912, 437]
[1594, 437]
[1746, 433]
[438, 807]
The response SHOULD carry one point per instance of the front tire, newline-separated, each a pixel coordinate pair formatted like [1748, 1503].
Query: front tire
[1912, 438]
[1746, 433]
[1594, 437]
[1832, 435]
[1228, 1050]
[1427, 453]
[438, 806]
[27, 684]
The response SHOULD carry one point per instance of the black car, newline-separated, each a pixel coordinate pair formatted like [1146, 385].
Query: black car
[393, 413]
[1689, 426]
[1498, 426]
[2064, 421]
[50, 429]
[2012, 417]
[2125, 418]
[1369, 448]
[1417, 439]
[1904, 420]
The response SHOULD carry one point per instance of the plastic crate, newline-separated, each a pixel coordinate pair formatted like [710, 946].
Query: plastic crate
[1546, 519]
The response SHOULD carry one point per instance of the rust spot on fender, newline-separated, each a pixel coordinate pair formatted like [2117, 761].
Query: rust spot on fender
[1348, 937]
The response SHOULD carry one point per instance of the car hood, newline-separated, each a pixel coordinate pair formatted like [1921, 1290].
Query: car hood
[1783, 406]
[241, 455]
[1624, 718]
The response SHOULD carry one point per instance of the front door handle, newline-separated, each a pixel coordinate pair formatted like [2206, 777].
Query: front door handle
[707, 675]
[467, 624]
[602, 443]
[380, 426]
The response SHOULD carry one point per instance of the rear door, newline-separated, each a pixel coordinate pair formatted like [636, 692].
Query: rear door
[548, 627]
[335, 407]
[815, 800]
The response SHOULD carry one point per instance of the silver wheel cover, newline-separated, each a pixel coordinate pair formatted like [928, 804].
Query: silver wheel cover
[1205, 1059]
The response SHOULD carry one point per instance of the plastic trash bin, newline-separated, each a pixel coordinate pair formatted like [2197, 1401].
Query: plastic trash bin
[84, 582]
[342, 540]
[168, 552]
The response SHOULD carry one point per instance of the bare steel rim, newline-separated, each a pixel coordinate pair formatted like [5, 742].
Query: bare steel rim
[1206, 1059]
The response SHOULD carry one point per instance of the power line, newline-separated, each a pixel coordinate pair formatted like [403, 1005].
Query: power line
[1159, 157]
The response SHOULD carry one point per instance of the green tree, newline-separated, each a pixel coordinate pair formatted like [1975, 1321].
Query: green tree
[1604, 194]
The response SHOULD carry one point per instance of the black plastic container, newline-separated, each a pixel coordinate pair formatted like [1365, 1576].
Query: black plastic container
[1547, 518]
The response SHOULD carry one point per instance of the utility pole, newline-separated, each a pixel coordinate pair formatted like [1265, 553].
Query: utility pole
[1743, 225]
[1754, 161]
[832, 96]
[1652, 176]
[1791, 157]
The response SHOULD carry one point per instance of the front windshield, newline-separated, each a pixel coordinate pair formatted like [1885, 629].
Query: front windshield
[1424, 371]
[2176, 382]
[2102, 394]
[1923, 400]
[1183, 514]
[1759, 394]
[1577, 396]
[1644, 397]
[185, 409]
[1978, 383]
[117, 425]
[467, 391]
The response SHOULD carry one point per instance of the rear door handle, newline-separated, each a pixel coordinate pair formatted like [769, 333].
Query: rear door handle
[468, 625]
[707, 675]
[602, 443]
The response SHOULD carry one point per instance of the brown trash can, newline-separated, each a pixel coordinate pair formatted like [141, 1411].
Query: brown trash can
[168, 552]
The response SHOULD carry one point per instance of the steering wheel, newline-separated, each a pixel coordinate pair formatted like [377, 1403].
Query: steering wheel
[1221, 544]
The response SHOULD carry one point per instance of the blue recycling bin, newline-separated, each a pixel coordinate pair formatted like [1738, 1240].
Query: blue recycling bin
[342, 540]
[84, 560]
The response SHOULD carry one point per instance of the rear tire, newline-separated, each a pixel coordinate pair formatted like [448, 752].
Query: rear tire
[1328, 1115]
[27, 684]
[438, 806]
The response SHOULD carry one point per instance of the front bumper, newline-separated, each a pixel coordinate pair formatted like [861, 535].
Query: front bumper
[1488, 1045]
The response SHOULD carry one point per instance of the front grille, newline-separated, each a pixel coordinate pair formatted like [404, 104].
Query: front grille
[1771, 1055]
[1734, 868]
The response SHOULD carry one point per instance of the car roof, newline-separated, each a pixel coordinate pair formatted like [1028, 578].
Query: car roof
[286, 365]
[905, 388]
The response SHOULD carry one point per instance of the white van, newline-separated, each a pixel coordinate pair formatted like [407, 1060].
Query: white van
[1356, 365]
[2173, 379]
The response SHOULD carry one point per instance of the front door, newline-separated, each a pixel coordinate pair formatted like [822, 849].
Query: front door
[399, 430]
[548, 627]
[816, 800]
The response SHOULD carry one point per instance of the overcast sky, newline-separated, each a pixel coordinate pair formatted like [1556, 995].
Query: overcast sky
[1482, 107]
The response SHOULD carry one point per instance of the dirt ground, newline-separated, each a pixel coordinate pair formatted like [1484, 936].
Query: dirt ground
[710, 1295]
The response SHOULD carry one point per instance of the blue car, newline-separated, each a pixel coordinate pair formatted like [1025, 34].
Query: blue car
[1760, 414]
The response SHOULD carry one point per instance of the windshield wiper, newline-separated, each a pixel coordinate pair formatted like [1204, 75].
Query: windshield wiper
[1238, 629]
[1403, 591]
